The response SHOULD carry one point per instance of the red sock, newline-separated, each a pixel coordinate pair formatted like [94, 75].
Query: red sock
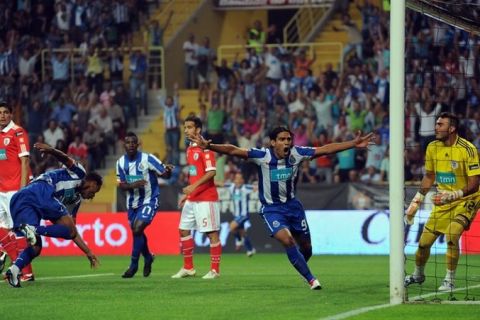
[22, 245]
[9, 244]
[215, 254]
[187, 251]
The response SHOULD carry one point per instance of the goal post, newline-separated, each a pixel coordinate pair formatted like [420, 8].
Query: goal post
[397, 146]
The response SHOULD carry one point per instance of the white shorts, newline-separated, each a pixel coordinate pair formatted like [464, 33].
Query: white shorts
[5, 217]
[203, 216]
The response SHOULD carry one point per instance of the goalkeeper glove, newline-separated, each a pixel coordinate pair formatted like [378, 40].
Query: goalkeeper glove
[413, 208]
[444, 197]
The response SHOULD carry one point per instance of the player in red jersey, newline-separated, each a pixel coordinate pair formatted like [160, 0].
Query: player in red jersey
[201, 210]
[14, 174]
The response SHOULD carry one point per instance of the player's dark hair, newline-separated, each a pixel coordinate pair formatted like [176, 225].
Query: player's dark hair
[93, 176]
[4, 104]
[196, 120]
[453, 119]
[276, 131]
[131, 134]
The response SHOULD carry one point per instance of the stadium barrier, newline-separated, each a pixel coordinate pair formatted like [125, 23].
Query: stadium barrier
[333, 232]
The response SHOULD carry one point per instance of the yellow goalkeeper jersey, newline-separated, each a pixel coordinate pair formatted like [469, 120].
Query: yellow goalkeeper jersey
[452, 165]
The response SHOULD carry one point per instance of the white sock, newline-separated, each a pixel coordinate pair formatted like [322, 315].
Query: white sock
[450, 275]
[419, 270]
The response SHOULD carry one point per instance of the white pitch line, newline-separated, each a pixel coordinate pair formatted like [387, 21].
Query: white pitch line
[77, 276]
[358, 311]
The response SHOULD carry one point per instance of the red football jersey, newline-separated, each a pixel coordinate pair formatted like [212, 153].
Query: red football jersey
[13, 145]
[200, 162]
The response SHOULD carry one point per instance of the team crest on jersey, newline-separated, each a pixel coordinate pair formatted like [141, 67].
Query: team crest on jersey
[6, 141]
[276, 224]
[291, 159]
[141, 167]
[454, 164]
[195, 156]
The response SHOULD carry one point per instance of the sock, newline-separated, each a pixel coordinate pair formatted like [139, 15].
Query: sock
[25, 257]
[237, 236]
[22, 245]
[215, 255]
[54, 231]
[138, 246]
[248, 244]
[450, 276]
[298, 261]
[9, 243]
[146, 251]
[187, 251]
[419, 270]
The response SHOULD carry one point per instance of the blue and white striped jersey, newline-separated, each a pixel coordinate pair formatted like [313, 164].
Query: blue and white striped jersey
[278, 177]
[170, 114]
[239, 196]
[65, 183]
[144, 167]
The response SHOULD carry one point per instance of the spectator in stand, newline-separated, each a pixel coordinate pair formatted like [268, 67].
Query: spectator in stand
[92, 139]
[256, 37]
[138, 86]
[427, 112]
[36, 120]
[53, 133]
[115, 66]
[60, 69]
[354, 36]
[103, 122]
[215, 119]
[94, 71]
[121, 16]
[78, 151]
[205, 57]
[118, 119]
[302, 65]
[26, 65]
[63, 111]
[190, 49]
[171, 122]
[385, 166]
[324, 164]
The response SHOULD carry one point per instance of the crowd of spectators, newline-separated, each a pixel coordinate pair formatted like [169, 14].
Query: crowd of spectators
[239, 102]
[78, 101]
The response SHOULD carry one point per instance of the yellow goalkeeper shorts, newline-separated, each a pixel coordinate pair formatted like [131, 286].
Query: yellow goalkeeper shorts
[462, 212]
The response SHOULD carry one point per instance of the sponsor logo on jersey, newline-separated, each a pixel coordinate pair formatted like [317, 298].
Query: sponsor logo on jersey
[192, 171]
[283, 174]
[446, 177]
[3, 154]
[133, 178]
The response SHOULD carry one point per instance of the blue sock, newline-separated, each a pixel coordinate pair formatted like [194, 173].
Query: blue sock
[248, 244]
[138, 245]
[298, 261]
[25, 257]
[54, 231]
[146, 251]
[237, 236]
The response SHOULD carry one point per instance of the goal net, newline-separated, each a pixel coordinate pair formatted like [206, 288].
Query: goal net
[442, 73]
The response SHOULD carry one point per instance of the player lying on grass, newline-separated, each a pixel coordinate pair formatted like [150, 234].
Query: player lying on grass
[278, 167]
[47, 198]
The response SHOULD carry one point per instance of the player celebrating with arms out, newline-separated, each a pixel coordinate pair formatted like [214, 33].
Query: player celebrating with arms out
[278, 167]
[137, 174]
[47, 198]
[451, 162]
[201, 210]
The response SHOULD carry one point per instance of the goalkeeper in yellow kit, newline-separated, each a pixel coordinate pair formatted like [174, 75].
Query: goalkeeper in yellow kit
[451, 162]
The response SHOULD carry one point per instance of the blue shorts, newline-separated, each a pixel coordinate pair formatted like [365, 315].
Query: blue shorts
[290, 215]
[144, 213]
[241, 220]
[35, 202]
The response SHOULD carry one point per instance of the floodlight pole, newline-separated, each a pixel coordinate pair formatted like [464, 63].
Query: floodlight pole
[397, 145]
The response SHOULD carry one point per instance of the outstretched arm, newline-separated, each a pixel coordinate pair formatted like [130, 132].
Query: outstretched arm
[62, 157]
[358, 142]
[228, 149]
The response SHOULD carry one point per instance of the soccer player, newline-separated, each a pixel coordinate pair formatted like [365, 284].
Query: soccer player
[278, 167]
[452, 163]
[201, 210]
[239, 192]
[47, 198]
[15, 172]
[137, 174]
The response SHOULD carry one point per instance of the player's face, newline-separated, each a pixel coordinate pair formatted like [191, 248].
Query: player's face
[282, 144]
[190, 130]
[89, 189]
[5, 117]
[442, 129]
[131, 145]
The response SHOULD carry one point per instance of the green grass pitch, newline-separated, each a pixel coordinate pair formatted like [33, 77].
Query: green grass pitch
[262, 287]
